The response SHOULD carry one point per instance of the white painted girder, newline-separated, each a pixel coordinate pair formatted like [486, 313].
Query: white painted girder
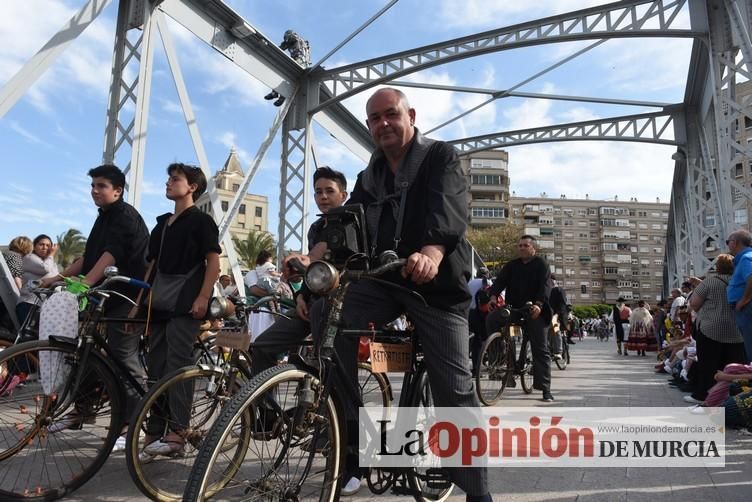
[629, 18]
[646, 127]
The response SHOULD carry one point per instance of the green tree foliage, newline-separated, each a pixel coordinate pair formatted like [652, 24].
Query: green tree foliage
[70, 245]
[496, 244]
[587, 311]
[249, 248]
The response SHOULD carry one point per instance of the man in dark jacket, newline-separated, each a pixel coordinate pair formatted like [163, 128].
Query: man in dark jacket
[424, 175]
[528, 279]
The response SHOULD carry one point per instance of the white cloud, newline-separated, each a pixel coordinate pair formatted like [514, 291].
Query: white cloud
[230, 140]
[80, 70]
[600, 169]
[496, 13]
[171, 106]
[26, 134]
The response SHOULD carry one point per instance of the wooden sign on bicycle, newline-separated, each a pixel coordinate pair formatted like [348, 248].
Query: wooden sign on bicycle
[234, 338]
[391, 357]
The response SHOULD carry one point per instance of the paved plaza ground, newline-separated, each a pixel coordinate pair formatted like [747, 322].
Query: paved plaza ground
[596, 377]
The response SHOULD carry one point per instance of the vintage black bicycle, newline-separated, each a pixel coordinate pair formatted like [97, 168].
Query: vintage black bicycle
[298, 445]
[499, 364]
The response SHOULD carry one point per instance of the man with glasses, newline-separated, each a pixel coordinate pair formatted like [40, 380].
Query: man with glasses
[739, 291]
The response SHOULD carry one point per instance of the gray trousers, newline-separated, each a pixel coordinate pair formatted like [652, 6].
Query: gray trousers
[125, 348]
[171, 348]
[444, 337]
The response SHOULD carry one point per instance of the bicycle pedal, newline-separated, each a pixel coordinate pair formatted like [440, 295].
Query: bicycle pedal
[437, 479]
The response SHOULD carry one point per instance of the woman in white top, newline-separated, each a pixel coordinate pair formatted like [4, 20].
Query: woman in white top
[39, 264]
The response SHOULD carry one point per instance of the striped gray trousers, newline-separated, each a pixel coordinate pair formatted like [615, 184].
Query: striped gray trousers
[445, 340]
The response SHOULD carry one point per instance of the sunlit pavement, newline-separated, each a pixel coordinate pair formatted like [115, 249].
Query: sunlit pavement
[597, 376]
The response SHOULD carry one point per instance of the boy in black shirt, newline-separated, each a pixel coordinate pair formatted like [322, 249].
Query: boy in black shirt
[185, 242]
[119, 237]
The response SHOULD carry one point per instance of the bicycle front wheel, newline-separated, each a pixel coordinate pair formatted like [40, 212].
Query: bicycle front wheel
[295, 451]
[201, 390]
[417, 478]
[374, 387]
[57, 429]
[493, 368]
[525, 362]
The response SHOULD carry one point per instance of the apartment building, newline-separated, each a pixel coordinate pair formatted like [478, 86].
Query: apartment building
[254, 209]
[600, 250]
[488, 182]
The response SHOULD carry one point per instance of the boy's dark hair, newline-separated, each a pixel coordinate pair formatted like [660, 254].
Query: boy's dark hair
[263, 257]
[193, 174]
[110, 172]
[526, 236]
[328, 173]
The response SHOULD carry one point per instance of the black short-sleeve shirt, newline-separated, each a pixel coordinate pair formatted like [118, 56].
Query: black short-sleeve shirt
[186, 243]
[121, 231]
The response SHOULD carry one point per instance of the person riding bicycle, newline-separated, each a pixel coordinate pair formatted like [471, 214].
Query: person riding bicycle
[527, 279]
[416, 184]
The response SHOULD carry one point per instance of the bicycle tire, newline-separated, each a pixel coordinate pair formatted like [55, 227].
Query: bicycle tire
[39, 464]
[163, 478]
[274, 461]
[375, 388]
[493, 368]
[526, 370]
[563, 361]
[422, 398]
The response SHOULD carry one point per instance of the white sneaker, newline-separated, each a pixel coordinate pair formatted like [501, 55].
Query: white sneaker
[145, 458]
[697, 410]
[119, 444]
[689, 399]
[166, 448]
[558, 357]
[351, 488]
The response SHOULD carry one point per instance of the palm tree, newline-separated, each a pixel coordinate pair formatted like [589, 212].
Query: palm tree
[70, 245]
[249, 248]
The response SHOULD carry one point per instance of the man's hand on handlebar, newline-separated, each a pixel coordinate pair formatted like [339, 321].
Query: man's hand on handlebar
[535, 311]
[290, 269]
[422, 267]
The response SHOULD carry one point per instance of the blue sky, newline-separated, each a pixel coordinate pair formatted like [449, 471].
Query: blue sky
[54, 134]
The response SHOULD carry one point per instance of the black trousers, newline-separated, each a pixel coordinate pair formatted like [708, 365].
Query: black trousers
[711, 357]
[536, 330]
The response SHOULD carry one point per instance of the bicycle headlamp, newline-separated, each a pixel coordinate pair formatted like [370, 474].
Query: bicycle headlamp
[220, 308]
[321, 278]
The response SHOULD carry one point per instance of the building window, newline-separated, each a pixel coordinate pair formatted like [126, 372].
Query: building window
[225, 206]
[235, 187]
[488, 163]
[488, 212]
[257, 227]
[486, 179]
[740, 216]
[259, 212]
[242, 209]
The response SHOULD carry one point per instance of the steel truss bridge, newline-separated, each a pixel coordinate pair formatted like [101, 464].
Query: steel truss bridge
[703, 127]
